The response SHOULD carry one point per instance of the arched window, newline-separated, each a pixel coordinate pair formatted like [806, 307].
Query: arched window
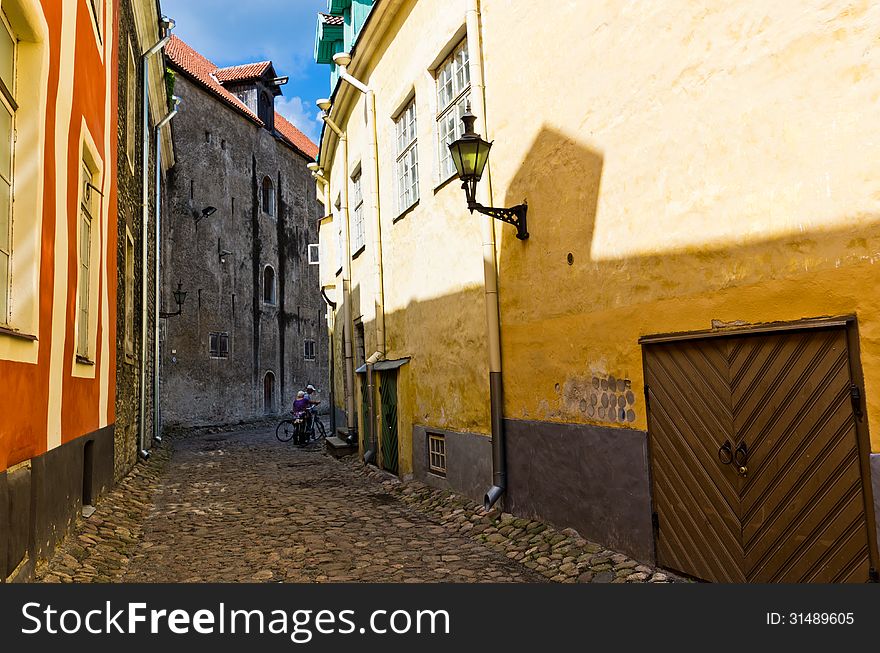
[269, 392]
[268, 285]
[268, 196]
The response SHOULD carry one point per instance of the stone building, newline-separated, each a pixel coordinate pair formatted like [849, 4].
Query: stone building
[139, 31]
[242, 213]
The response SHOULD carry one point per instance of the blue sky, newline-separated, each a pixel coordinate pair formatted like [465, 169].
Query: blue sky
[230, 32]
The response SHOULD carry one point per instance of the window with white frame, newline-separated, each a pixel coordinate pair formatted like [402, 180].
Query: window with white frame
[8, 107]
[357, 223]
[407, 158]
[87, 210]
[437, 453]
[453, 97]
[314, 254]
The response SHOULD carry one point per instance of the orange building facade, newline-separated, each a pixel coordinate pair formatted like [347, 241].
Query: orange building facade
[58, 243]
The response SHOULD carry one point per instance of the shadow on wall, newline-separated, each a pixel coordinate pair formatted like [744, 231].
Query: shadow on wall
[568, 316]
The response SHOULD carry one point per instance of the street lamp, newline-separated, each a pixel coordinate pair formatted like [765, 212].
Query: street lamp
[206, 212]
[470, 154]
[179, 298]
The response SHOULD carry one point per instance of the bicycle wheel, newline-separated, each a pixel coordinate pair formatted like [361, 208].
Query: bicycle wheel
[284, 431]
[318, 430]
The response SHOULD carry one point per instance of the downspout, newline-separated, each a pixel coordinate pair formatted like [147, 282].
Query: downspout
[347, 324]
[490, 271]
[331, 305]
[157, 431]
[342, 60]
[145, 214]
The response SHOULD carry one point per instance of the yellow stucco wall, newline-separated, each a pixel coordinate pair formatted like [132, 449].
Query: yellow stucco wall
[433, 275]
[698, 163]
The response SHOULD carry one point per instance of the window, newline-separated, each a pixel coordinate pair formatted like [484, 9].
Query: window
[357, 214]
[315, 254]
[218, 344]
[8, 107]
[24, 79]
[129, 294]
[453, 96]
[131, 113]
[268, 285]
[268, 196]
[337, 218]
[407, 158]
[309, 350]
[437, 453]
[87, 210]
[267, 110]
[269, 392]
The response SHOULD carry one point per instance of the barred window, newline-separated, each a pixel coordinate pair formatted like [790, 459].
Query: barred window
[407, 158]
[453, 97]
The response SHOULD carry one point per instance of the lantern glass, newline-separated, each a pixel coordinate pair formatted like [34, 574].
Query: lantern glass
[179, 295]
[470, 155]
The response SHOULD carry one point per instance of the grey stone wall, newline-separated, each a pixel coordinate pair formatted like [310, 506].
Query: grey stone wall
[221, 161]
[129, 217]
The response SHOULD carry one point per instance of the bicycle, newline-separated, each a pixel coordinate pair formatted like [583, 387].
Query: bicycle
[298, 427]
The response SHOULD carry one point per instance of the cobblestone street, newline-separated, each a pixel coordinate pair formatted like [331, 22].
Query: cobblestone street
[239, 506]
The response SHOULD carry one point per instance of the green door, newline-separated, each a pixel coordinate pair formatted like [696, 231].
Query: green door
[388, 392]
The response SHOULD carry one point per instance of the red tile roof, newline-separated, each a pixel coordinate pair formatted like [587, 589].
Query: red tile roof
[299, 140]
[207, 75]
[242, 73]
[332, 20]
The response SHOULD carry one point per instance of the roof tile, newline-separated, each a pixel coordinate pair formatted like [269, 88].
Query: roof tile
[206, 74]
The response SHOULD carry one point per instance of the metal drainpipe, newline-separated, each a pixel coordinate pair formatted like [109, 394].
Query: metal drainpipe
[156, 286]
[342, 60]
[145, 214]
[331, 322]
[490, 271]
[348, 325]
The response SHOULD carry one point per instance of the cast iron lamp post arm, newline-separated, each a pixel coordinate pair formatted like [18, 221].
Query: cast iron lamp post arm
[515, 215]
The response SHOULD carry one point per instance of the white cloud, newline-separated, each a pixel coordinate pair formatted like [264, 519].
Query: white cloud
[302, 114]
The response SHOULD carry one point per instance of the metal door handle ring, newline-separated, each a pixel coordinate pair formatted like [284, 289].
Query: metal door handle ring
[725, 453]
[741, 457]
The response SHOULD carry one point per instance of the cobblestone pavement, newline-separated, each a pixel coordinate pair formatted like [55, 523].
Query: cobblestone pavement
[239, 506]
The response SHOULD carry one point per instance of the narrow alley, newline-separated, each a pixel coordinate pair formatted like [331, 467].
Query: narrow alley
[239, 506]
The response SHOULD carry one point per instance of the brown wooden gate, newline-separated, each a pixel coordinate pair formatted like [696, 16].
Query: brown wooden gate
[757, 457]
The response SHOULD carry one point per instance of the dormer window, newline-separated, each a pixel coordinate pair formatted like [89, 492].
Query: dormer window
[267, 110]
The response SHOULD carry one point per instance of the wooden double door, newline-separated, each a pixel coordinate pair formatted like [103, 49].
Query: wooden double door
[758, 458]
